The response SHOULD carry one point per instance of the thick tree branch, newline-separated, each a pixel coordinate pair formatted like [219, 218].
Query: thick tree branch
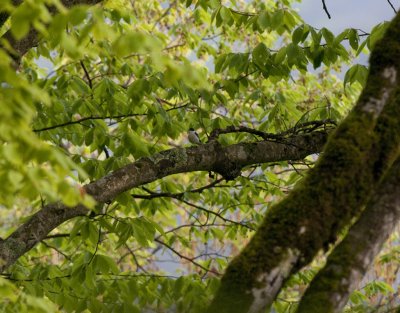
[357, 156]
[350, 260]
[211, 156]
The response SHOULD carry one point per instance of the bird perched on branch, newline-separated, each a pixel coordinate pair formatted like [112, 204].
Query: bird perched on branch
[194, 137]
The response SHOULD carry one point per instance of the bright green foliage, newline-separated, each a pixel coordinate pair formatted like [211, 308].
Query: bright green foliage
[14, 300]
[111, 83]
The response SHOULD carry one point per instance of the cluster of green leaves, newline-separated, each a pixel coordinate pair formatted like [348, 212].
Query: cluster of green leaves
[126, 79]
[29, 166]
[14, 300]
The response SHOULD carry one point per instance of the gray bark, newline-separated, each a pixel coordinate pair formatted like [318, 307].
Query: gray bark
[208, 157]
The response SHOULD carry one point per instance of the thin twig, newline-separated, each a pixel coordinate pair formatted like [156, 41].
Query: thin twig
[167, 10]
[191, 260]
[97, 246]
[153, 194]
[56, 249]
[325, 9]
[305, 127]
[87, 74]
[138, 266]
[87, 118]
[216, 214]
[394, 9]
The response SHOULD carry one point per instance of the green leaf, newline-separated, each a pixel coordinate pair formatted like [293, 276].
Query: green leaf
[135, 144]
[342, 36]
[298, 34]
[317, 57]
[231, 87]
[353, 38]
[264, 20]
[136, 42]
[105, 264]
[22, 18]
[328, 35]
[279, 57]
[79, 85]
[226, 15]
[376, 34]
[260, 54]
[356, 73]
[277, 19]
[77, 14]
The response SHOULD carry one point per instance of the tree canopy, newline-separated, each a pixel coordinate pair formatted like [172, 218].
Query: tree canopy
[107, 207]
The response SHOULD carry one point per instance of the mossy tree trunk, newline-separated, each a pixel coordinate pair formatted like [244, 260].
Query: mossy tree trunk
[350, 260]
[356, 158]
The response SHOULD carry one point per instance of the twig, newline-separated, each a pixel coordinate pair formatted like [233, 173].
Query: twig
[59, 236]
[302, 127]
[326, 9]
[122, 116]
[87, 119]
[97, 246]
[106, 152]
[86, 74]
[395, 11]
[167, 10]
[56, 249]
[216, 214]
[138, 266]
[153, 194]
[191, 260]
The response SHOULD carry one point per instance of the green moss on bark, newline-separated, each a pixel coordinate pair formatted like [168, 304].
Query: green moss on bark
[354, 161]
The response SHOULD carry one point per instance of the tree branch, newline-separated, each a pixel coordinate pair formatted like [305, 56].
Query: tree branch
[350, 260]
[216, 214]
[329, 197]
[211, 156]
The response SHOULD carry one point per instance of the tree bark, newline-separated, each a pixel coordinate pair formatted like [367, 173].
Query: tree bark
[208, 157]
[349, 261]
[355, 159]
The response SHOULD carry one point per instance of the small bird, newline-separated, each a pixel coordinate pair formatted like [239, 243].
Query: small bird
[194, 137]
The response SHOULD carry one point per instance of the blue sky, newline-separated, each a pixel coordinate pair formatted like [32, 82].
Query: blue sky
[363, 14]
